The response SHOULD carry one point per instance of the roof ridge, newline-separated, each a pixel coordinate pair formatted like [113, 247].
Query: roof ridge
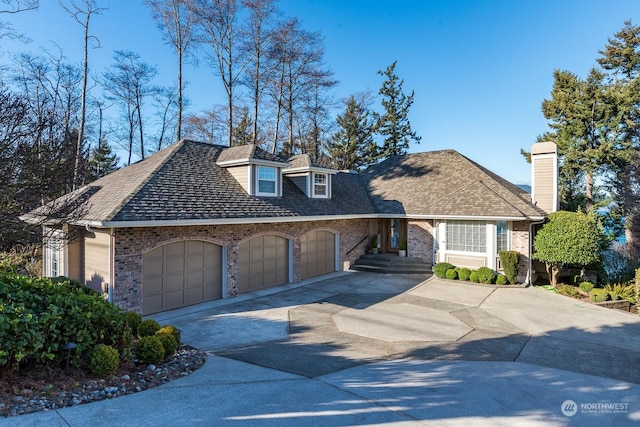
[170, 151]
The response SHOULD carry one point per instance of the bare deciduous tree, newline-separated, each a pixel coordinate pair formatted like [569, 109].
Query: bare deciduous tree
[82, 15]
[176, 23]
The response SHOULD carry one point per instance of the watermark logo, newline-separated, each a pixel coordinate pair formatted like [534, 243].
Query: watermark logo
[569, 408]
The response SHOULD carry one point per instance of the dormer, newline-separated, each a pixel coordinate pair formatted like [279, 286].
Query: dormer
[258, 171]
[314, 181]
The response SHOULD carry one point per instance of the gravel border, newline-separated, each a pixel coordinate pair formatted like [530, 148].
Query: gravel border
[185, 361]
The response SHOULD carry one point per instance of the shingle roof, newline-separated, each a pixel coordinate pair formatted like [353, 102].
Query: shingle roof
[444, 183]
[248, 152]
[184, 182]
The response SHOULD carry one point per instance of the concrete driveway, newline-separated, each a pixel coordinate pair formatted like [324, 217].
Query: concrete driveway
[364, 349]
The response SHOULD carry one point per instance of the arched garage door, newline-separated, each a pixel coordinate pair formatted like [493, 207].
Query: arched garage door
[318, 253]
[180, 274]
[263, 261]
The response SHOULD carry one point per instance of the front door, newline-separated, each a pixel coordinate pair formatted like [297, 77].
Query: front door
[395, 232]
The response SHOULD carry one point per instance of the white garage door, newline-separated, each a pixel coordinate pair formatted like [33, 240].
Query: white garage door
[180, 274]
[263, 262]
[318, 253]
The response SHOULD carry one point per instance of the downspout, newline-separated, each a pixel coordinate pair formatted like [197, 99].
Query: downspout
[530, 270]
[111, 266]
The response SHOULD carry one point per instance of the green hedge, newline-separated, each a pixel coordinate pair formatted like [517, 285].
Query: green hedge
[440, 269]
[510, 261]
[486, 275]
[38, 317]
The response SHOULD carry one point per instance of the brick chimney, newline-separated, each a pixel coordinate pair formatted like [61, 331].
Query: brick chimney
[544, 176]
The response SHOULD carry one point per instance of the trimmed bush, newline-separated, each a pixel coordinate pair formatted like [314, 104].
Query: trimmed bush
[569, 291]
[134, 320]
[37, 318]
[474, 276]
[510, 261]
[451, 274]
[171, 330]
[486, 275]
[464, 273]
[586, 286]
[148, 328]
[150, 350]
[440, 269]
[104, 360]
[599, 295]
[169, 343]
[501, 279]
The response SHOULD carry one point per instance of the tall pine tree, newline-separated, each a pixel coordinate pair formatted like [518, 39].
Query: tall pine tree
[621, 58]
[103, 161]
[393, 124]
[352, 146]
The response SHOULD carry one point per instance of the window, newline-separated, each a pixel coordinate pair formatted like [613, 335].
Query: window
[266, 181]
[320, 184]
[466, 236]
[502, 236]
[55, 263]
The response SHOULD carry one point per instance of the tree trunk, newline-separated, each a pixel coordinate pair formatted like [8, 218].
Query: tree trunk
[589, 190]
[553, 271]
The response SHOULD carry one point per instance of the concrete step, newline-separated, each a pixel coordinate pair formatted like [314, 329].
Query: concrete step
[391, 264]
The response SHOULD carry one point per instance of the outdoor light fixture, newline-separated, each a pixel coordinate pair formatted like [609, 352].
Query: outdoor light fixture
[68, 346]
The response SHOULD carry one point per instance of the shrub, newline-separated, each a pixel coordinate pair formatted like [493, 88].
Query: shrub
[599, 295]
[172, 330]
[586, 286]
[474, 276]
[104, 360]
[73, 284]
[486, 275]
[37, 318]
[169, 343]
[510, 261]
[569, 291]
[464, 273]
[133, 320]
[621, 292]
[451, 274]
[150, 350]
[440, 269]
[148, 328]
[501, 279]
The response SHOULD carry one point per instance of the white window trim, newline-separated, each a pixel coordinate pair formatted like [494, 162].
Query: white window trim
[326, 185]
[55, 248]
[275, 181]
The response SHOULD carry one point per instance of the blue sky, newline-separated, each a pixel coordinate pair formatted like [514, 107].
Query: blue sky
[479, 69]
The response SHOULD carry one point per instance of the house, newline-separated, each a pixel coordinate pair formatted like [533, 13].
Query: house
[197, 222]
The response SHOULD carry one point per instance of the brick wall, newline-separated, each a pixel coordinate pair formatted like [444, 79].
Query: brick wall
[132, 243]
[420, 237]
[520, 243]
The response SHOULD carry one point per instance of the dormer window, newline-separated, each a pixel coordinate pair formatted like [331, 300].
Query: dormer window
[266, 181]
[320, 183]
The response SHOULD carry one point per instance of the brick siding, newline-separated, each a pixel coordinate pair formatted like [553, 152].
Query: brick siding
[132, 243]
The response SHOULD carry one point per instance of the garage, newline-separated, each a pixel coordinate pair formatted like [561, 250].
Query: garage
[263, 261]
[318, 253]
[181, 274]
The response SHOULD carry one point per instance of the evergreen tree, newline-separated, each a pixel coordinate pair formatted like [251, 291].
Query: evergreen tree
[585, 121]
[393, 124]
[352, 146]
[103, 161]
[621, 58]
